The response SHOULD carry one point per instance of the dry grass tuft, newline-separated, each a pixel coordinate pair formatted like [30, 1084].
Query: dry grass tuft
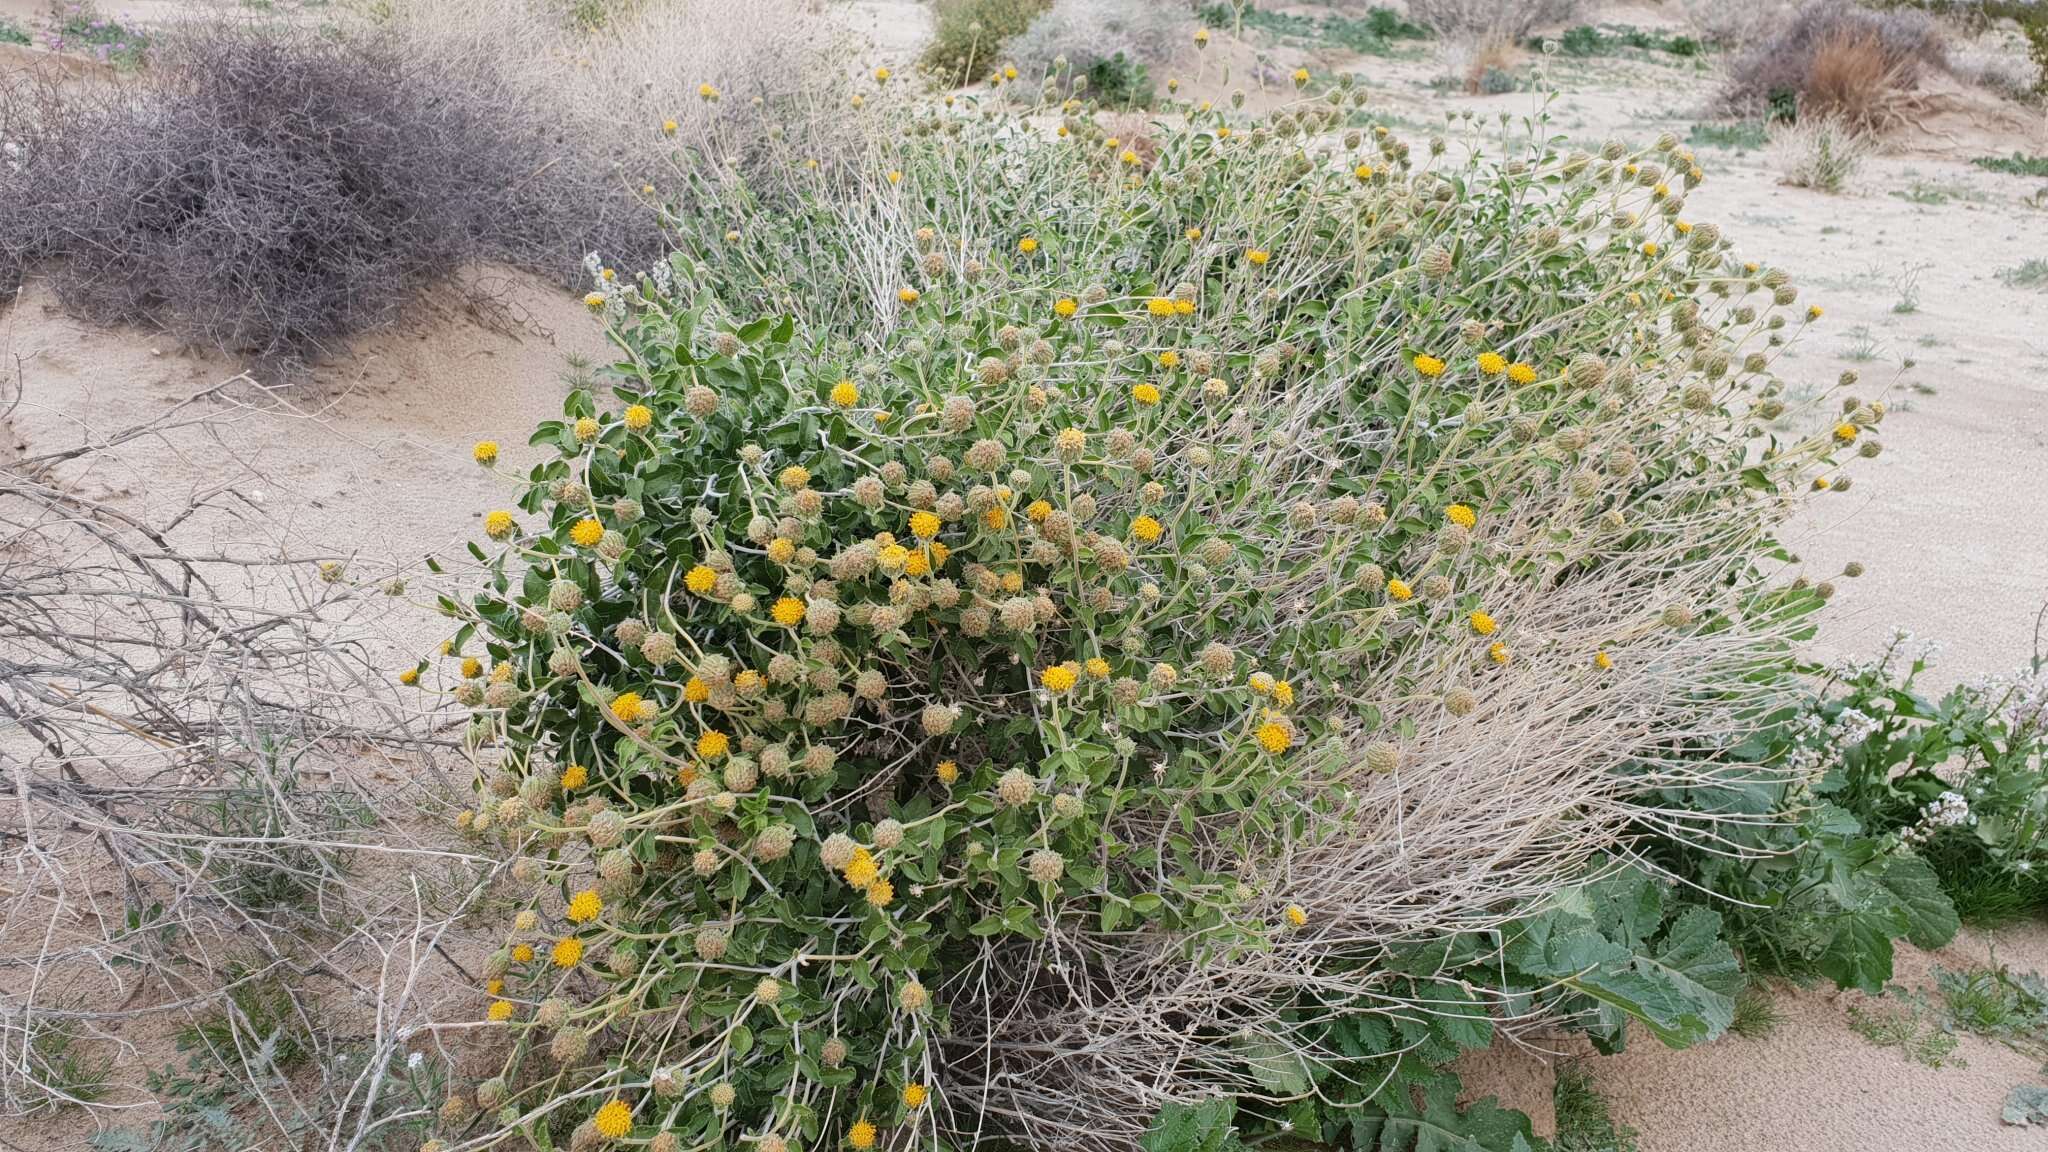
[1818, 152]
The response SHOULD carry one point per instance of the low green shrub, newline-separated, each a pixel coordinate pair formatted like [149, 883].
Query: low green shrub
[2017, 164]
[1043, 606]
[968, 36]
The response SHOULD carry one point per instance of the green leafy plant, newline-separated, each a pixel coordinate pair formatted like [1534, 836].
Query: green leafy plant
[1739, 135]
[968, 35]
[2017, 164]
[1584, 1122]
[1903, 1022]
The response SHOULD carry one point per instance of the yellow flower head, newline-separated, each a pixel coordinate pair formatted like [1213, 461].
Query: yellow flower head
[1813, 312]
[1028, 245]
[594, 299]
[1500, 653]
[1097, 668]
[1183, 307]
[795, 478]
[1460, 515]
[472, 668]
[1160, 306]
[845, 394]
[500, 1010]
[1037, 511]
[522, 953]
[1283, 694]
[880, 893]
[882, 75]
[700, 579]
[1846, 432]
[782, 550]
[587, 428]
[924, 525]
[895, 177]
[1363, 172]
[631, 709]
[668, 127]
[995, 518]
[1065, 307]
[638, 417]
[1194, 235]
[914, 1095]
[409, 677]
[1522, 373]
[485, 452]
[1429, 365]
[861, 1136]
[1146, 394]
[1275, 737]
[908, 295]
[1649, 247]
[947, 772]
[1602, 661]
[585, 533]
[1169, 359]
[1147, 530]
[1128, 157]
[861, 870]
[1296, 916]
[575, 776]
[1257, 255]
[713, 744]
[499, 524]
[1399, 589]
[568, 951]
[1300, 77]
[585, 906]
[1058, 678]
[1482, 623]
[707, 92]
[613, 1120]
[1492, 363]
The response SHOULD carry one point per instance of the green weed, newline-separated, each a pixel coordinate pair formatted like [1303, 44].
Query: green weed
[2017, 164]
[1739, 135]
[2029, 274]
[1910, 1028]
[1584, 1122]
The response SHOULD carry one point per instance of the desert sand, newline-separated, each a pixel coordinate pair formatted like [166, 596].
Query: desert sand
[369, 461]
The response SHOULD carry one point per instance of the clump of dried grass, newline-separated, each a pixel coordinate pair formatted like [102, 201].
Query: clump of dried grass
[1819, 152]
[1506, 19]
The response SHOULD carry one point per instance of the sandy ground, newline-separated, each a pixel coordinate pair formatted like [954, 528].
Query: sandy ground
[372, 459]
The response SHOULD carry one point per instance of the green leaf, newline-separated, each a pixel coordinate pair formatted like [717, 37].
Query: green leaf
[1276, 1066]
[1204, 1127]
[1859, 954]
[1931, 920]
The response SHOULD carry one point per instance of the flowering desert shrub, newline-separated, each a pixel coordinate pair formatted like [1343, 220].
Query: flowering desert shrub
[1056, 630]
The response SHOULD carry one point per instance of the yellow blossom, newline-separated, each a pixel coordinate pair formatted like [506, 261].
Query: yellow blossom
[409, 677]
[1147, 530]
[1256, 255]
[500, 1010]
[1499, 653]
[522, 953]
[880, 893]
[585, 906]
[1399, 589]
[1429, 365]
[924, 525]
[1296, 916]
[914, 1095]
[1602, 661]
[1097, 668]
[1065, 307]
[613, 1120]
[1275, 737]
[795, 478]
[1028, 245]
[1058, 678]
[861, 870]
[713, 744]
[638, 417]
[1521, 373]
[575, 776]
[585, 533]
[1460, 515]
[499, 524]
[845, 394]
[947, 772]
[568, 951]
[1482, 623]
[700, 579]
[472, 668]
[908, 295]
[1846, 432]
[861, 1136]
[485, 452]
[1146, 394]
[1492, 363]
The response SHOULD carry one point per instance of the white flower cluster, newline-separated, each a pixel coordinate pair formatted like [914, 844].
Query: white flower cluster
[1949, 810]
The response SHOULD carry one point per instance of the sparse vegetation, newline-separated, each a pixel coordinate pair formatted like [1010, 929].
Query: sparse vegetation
[1739, 135]
[1901, 1020]
[1380, 32]
[2017, 164]
[2026, 274]
[1611, 39]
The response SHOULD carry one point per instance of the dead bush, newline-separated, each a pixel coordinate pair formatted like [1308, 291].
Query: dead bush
[1482, 19]
[1838, 59]
[267, 190]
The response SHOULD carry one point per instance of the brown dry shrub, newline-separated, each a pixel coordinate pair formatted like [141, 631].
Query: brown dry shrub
[1862, 58]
